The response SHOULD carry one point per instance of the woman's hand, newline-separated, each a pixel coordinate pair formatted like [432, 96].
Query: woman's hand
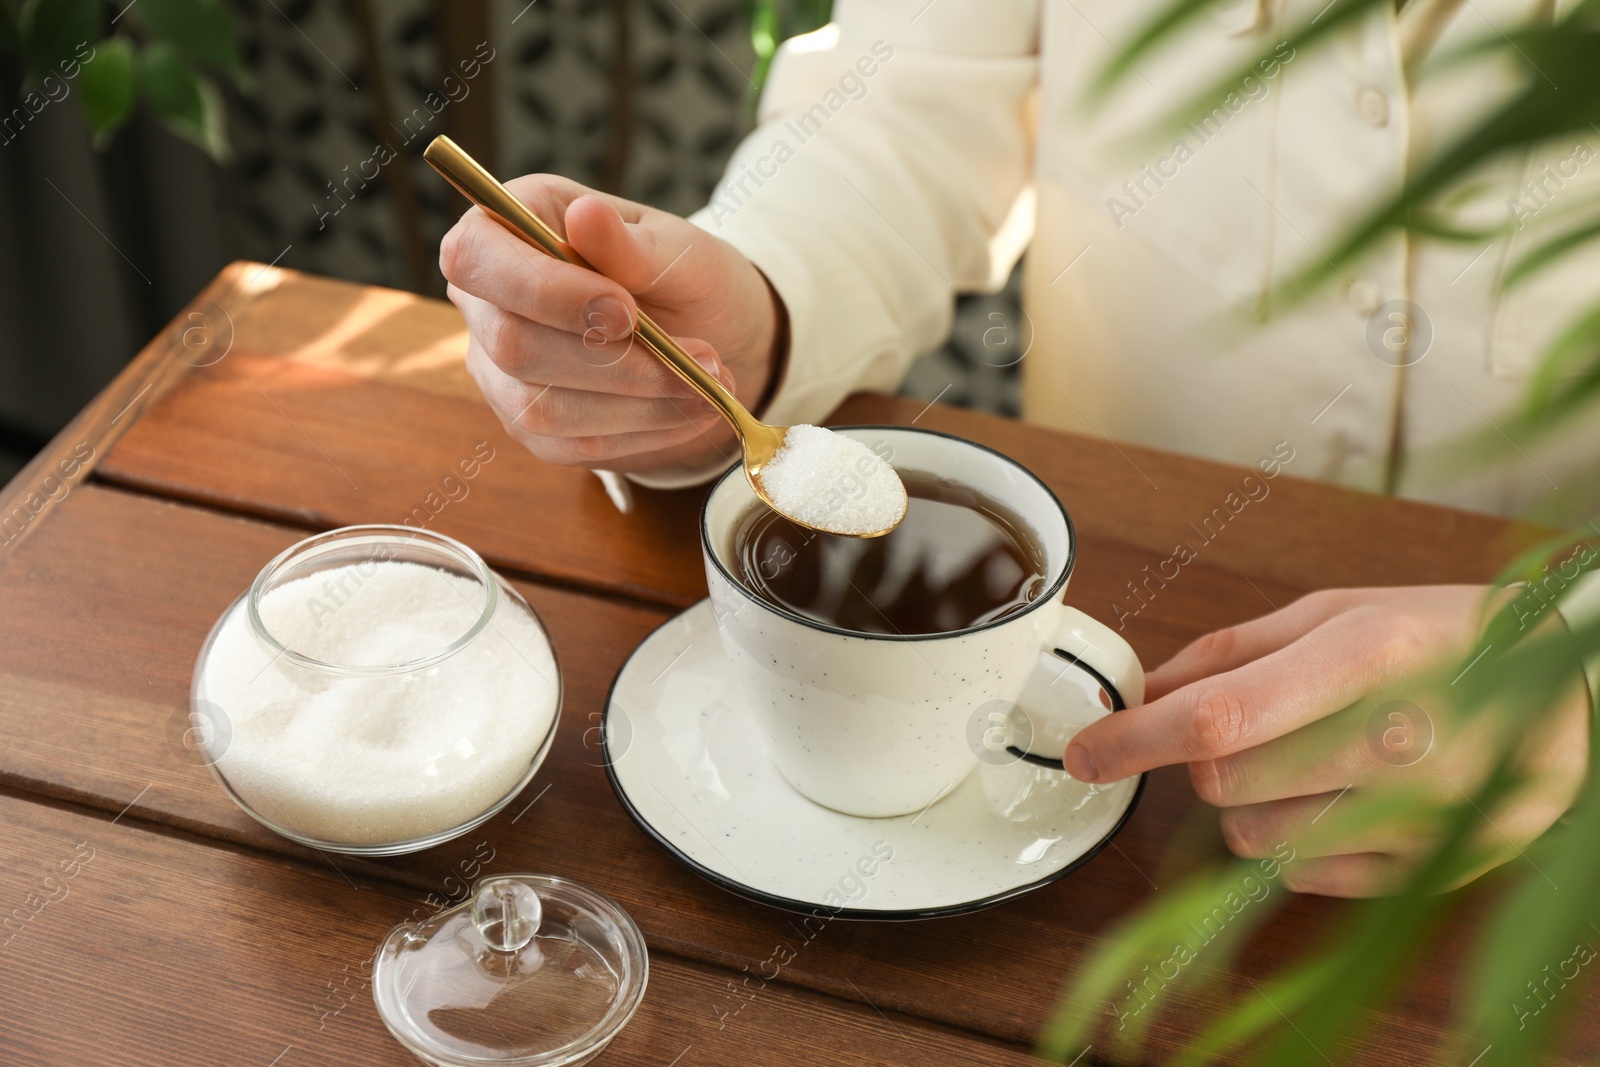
[551, 346]
[1278, 717]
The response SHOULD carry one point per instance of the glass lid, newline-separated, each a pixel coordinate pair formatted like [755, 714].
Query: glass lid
[529, 970]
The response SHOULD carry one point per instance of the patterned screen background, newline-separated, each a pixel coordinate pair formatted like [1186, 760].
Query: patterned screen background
[641, 97]
[553, 80]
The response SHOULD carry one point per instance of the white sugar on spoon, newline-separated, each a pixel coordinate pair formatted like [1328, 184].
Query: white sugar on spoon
[833, 483]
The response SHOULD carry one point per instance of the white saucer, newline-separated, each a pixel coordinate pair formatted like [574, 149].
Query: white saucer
[691, 768]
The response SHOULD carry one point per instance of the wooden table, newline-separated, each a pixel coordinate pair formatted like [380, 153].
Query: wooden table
[280, 404]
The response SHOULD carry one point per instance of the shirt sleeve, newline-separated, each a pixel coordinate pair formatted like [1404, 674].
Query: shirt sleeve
[889, 170]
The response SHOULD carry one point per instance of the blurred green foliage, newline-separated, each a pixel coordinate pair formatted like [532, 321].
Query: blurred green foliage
[165, 54]
[1325, 1001]
[774, 21]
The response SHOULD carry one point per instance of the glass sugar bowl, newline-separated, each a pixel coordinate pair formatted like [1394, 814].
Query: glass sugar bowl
[377, 690]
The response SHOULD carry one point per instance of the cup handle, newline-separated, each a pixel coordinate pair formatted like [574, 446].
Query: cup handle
[1082, 659]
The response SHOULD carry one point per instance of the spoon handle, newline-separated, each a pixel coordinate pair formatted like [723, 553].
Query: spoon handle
[483, 189]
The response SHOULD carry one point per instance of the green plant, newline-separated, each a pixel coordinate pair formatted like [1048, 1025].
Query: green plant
[1515, 674]
[164, 53]
[774, 21]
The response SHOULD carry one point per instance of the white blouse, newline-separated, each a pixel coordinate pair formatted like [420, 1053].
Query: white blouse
[915, 148]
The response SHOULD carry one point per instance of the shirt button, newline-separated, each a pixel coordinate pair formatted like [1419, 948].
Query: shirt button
[1372, 105]
[1363, 296]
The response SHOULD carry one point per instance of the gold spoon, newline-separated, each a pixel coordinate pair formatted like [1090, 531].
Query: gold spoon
[760, 442]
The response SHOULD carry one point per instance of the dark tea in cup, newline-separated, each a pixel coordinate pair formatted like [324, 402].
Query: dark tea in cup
[958, 560]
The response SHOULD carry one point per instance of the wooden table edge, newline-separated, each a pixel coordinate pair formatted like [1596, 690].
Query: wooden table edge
[155, 369]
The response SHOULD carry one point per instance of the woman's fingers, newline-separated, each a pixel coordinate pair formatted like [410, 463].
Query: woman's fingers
[633, 252]
[639, 256]
[1422, 742]
[1366, 857]
[1293, 726]
[1357, 745]
[575, 426]
[1319, 757]
[1227, 649]
[552, 342]
[479, 257]
[1352, 746]
[532, 352]
[550, 196]
[1235, 646]
[626, 452]
[1362, 874]
[1330, 668]
[1255, 831]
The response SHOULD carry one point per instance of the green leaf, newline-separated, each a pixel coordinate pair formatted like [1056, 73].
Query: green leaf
[764, 38]
[200, 30]
[1532, 563]
[215, 129]
[1429, 224]
[771, 23]
[1564, 53]
[1256, 1015]
[1334, 19]
[1538, 933]
[105, 87]
[1550, 252]
[171, 87]
[1388, 938]
[1549, 392]
[55, 32]
[186, 102]
[1105, 982]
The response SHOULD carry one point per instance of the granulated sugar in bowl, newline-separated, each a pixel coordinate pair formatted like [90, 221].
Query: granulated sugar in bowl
[378, 690]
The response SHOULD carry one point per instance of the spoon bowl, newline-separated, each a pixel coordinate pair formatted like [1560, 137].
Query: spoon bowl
[759, 442]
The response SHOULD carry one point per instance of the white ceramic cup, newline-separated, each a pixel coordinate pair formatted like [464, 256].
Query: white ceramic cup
[881, 725]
